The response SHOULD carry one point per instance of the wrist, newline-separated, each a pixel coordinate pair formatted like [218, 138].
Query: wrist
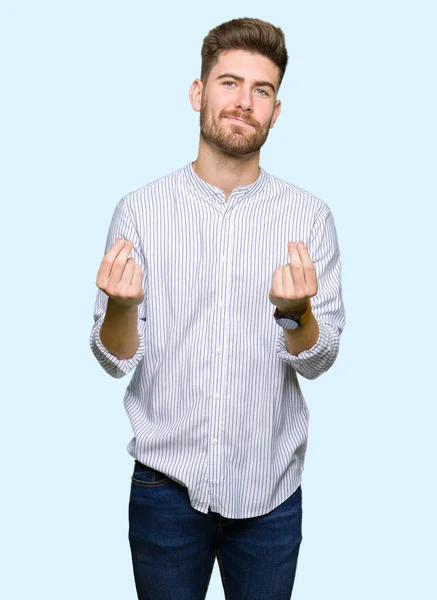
[115, 307]
[296, 311]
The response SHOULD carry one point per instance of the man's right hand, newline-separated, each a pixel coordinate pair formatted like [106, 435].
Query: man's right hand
[119, 276]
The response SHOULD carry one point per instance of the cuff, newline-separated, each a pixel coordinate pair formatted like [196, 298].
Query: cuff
[116, 367]
[312, 362]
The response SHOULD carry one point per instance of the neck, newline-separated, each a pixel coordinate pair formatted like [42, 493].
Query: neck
[224, 171]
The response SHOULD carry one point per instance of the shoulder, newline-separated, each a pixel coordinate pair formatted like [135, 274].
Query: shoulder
[155, 191]
[304, 199]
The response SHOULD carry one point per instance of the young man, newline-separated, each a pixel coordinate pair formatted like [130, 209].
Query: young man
[204, 290]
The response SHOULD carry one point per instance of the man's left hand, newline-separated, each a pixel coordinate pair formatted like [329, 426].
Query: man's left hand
[295, 283]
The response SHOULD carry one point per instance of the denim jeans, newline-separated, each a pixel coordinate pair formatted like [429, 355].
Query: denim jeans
[174, 546]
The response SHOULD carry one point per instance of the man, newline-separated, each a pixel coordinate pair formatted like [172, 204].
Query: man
[220, 283]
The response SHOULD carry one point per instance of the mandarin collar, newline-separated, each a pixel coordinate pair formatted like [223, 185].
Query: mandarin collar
[215, 192]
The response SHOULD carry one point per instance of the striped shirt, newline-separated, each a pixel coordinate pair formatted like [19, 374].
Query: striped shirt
[214, 401]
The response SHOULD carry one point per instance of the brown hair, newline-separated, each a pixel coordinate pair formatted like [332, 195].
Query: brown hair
[252, 35]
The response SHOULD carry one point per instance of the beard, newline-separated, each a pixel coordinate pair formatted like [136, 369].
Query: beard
[231, 137]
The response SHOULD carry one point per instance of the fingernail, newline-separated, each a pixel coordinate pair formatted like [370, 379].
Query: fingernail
[120, 241]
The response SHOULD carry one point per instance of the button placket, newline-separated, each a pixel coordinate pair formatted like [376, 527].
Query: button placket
[223, 245]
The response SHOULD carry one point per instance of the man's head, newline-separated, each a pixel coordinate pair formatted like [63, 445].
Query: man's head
[243, 64]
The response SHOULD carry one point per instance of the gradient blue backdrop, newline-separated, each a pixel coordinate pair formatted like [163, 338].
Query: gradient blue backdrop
[94, 104]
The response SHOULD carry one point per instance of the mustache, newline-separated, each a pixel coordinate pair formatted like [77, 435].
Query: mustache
[239, 117]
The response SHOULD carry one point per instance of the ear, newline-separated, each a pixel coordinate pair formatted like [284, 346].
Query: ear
[196, 90]
[276, 113]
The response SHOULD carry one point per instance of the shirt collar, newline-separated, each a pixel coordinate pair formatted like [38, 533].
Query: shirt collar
[215, 192]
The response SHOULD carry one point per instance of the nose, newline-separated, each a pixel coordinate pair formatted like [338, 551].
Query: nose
[243, 99]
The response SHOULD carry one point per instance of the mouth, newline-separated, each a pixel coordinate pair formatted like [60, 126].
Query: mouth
[239, 121]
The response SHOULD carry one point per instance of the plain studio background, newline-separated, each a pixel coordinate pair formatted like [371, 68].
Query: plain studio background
[94, 104]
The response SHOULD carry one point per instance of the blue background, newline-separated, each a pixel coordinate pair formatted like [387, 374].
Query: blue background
[95, 104]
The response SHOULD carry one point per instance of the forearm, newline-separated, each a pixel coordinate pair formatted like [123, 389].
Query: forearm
[119, 331]
[304, 338]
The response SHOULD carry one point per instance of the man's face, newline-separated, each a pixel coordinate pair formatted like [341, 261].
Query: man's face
[247, 96]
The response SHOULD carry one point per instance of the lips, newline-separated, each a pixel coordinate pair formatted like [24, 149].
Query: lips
[239, 120]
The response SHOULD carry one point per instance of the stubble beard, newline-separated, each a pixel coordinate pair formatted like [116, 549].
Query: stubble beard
[234, 141]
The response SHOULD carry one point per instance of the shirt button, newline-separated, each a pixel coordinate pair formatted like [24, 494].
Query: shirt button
[216, 396]
[219, 350]
[223, 258]
[221, 304]
[214, 442]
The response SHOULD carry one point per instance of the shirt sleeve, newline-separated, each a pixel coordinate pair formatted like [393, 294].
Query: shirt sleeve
[327, 305]
[122, 225]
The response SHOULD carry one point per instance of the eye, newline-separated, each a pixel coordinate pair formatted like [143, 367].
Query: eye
[264, 93]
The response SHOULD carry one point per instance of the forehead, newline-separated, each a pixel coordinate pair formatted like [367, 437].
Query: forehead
[249, 65]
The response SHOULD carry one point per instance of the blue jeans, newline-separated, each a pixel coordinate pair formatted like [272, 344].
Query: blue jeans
[174, 546]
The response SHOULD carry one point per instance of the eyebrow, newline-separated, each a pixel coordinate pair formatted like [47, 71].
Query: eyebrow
[240, 79]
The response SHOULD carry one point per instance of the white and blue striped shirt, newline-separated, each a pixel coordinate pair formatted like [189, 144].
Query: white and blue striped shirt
[215, 401]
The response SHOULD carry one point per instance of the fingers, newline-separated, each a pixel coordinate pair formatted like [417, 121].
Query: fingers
[309, 271]
[294, 274]
[124, 286]
[119, 263]
[277, 283]
[299, 276]
[108, 260]
[119, 277]
[113, 264]
[137, 278]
